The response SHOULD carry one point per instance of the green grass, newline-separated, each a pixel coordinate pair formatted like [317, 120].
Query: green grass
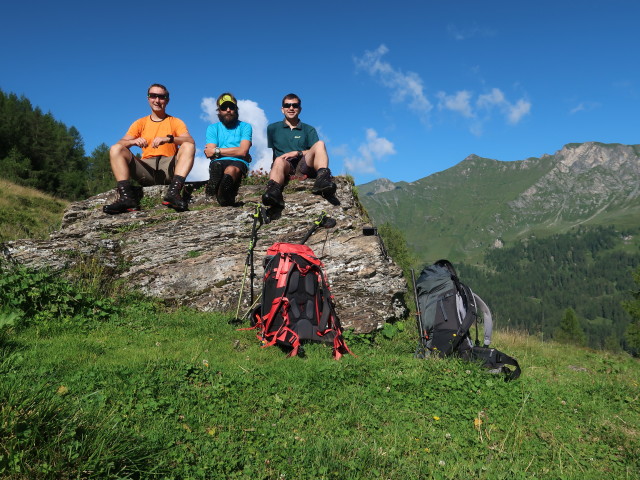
[28, 213]
[186, 395]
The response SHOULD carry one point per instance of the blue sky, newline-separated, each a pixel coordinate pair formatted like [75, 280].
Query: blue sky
[397, 89]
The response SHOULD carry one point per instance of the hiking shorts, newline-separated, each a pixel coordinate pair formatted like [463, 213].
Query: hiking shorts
[153, 170]
[299, 167]
[233, 163]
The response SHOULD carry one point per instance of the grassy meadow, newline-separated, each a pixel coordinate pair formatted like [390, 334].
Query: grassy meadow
[96, 382]
[28, 213]
[151, 393]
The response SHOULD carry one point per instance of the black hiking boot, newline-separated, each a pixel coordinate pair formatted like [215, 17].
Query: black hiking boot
[272, 197]
[227, 191]
[173, 198]
[216, 172]
[126, 202]
[323, 184]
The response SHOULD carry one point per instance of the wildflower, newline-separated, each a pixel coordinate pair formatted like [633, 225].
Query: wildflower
[476, 423]
[441, 463]
[157, 344]
[205, 363]
[427, 449]
[436, 418]
[447, 436]
[211, 431]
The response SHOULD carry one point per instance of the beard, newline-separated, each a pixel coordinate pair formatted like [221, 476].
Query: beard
[229, 119]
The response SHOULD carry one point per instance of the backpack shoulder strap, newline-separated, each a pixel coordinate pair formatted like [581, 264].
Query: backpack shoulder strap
[496, 361]
[487, 319]
[471, 314]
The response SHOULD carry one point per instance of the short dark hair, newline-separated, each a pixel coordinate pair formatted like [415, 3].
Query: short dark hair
[159, 86]
[291, 96]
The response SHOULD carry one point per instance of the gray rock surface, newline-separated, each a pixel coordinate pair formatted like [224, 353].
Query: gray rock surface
[197, 258]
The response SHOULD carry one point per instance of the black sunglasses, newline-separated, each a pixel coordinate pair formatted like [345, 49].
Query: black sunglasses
[228, 106]
[290, 105]
[161, 96]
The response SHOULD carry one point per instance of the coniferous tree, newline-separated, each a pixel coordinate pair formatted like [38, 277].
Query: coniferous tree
[632, 334]
[569, 330]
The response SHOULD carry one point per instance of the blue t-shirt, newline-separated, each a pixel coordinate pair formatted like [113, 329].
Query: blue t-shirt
[225, 137]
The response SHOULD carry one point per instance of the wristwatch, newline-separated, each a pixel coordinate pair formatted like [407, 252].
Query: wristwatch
[216, 153]
[170, 137]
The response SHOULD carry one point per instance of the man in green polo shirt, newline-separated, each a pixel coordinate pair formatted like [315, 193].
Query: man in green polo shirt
[296, 147]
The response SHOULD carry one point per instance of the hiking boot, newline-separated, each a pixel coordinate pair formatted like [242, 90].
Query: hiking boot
[216, 173]
[126, 202]
[173, 198]
[227, 191]
[273, 195]
[323, 184]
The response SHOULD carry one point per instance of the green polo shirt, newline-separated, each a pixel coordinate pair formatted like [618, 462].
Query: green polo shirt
[282, 139]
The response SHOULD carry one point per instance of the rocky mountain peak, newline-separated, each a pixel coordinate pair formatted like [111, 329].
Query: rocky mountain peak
[584, 156]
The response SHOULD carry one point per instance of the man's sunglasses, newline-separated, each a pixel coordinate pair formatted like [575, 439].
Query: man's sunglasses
[290, 105]
[161, 96]
[228, 106]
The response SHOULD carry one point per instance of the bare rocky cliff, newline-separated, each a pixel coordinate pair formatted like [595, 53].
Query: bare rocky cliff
[197, 258]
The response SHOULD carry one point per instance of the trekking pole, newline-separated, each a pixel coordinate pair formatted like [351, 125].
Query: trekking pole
[322, 221]
[422, 336]
[259, 218]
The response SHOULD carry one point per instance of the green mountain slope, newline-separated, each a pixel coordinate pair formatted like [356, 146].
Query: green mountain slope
[27, 212]
[481, 203]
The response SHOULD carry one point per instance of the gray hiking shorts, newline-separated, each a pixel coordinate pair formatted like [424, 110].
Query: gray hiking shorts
[299, 167]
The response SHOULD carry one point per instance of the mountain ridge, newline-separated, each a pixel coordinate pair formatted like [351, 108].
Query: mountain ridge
[482, 202]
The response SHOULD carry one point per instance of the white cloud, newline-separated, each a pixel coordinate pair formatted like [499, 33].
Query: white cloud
[249, 112]
[373, 149]
[496, 99]
[470, 32]
[200, 170]
[409, 87]
[584, 107]
[405, 86]
[460, 103]
[517, 111]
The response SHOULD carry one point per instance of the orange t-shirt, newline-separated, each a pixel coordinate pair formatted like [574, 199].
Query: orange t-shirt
[148, 129]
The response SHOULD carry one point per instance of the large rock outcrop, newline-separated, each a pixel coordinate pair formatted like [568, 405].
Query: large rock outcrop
[197, 258]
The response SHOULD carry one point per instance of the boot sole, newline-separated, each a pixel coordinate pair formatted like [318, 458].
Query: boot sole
[330, 190]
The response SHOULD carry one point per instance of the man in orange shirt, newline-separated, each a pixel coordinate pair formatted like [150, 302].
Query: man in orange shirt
[167, 155]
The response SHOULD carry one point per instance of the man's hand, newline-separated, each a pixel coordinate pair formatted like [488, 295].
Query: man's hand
[159, 141]
[140, 142]
[290, 155]
[210, 150]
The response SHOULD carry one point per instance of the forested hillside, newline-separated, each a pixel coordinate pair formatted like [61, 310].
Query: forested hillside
[38, 151]
[531, 284]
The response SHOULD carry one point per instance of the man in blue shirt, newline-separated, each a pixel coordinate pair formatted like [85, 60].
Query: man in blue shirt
[296, 147]
[227, 145]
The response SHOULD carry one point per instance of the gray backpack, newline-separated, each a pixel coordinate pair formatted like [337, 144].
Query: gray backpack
[447, 309]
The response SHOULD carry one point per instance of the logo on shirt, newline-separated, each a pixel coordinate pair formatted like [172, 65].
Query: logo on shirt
[298, 136]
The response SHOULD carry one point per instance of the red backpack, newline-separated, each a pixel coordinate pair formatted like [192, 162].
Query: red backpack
[296, 302]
